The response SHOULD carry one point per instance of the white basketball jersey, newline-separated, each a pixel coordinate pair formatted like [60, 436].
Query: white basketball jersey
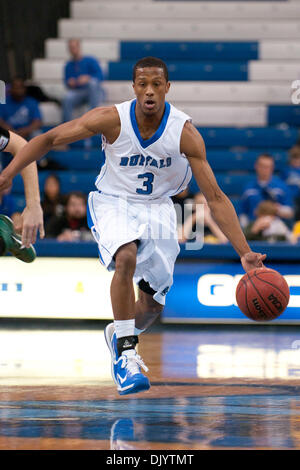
[145, 169]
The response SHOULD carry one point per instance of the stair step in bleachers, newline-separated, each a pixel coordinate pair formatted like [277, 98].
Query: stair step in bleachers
[208, 114]
[185, 9]
[242, 161]
[225, 71]
[191, 92]
[69, 180]
[189, 51]
[246, 30]
[267, 70]
[232, 185]
[105, 49]
[252, 138]
[79, 159]
[270, 138]
[289, 114]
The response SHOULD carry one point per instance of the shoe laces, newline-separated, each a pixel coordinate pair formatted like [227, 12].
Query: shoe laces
[133, 362]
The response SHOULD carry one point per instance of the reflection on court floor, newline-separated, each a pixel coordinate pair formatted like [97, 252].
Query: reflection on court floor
[212, 388]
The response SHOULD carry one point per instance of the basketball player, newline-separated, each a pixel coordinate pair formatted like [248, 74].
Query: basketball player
[32, 216]
[151, 150]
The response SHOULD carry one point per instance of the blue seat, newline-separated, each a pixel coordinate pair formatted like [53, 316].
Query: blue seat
[232, 185]
[77, 181]
[217, 71]
[69, 180]
[94, 142]
[250, 137]
[224, 160]
[189, 50]
[79, 159]
[288, 114]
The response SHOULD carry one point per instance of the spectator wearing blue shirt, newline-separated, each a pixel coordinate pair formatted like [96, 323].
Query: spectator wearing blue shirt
[83, 77]
[266, 187]
[291, 174]
[21, 113]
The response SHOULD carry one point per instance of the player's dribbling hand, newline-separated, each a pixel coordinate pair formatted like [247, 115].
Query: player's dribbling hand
[32, 222]
[252, 260]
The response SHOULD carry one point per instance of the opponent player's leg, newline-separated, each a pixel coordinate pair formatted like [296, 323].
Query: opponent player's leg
[120, 336]
[11, 242]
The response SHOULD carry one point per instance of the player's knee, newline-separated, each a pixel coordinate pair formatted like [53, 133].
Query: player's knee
[125, 260]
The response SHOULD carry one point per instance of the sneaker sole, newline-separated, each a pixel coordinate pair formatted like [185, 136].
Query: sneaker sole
[141, 388]
[108, 342]
[10, 225]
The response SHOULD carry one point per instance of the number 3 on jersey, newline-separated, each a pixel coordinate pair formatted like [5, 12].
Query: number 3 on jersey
[148, 184]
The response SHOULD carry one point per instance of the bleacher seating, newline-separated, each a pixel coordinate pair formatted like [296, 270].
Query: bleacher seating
[231, 65]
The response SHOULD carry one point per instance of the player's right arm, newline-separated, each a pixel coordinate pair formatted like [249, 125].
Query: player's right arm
[104, 121]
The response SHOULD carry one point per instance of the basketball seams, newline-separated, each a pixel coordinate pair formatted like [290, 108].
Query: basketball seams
[270, 284]
[246, 300]
[253, 285]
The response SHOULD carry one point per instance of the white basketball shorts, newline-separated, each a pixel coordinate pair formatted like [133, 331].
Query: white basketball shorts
[115, 221]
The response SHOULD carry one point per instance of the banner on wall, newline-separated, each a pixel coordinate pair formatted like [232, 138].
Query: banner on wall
[55, 288]
[79, 288]
[205, 293]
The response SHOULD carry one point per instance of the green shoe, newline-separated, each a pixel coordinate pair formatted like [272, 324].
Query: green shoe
[13, 241]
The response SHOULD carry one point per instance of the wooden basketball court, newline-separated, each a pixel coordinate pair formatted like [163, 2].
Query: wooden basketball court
[217, 387]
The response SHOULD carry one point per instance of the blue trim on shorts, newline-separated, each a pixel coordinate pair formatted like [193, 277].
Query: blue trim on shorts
[91, 223]
[89, 217]
[158, 133]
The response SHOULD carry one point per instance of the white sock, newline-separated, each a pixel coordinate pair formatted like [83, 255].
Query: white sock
[124, 328]
[137, 331]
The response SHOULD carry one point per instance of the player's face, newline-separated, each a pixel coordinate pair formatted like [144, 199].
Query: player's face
[150, 87]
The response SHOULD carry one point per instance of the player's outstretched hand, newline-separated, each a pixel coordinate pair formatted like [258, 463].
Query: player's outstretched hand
[32, 222]
[252, 260]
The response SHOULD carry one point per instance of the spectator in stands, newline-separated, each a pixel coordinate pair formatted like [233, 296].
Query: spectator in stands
[21, 113]
[72, 225]
[266, 187]
[212, 233]
[83, 77]
[291, 176]
[267, 225]
[53, 201]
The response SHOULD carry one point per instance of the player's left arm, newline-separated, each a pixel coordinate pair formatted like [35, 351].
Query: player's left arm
[32, 216]
[222, 210]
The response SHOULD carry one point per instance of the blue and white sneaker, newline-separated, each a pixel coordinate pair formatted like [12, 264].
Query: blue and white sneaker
[125, 369]
[121, 432]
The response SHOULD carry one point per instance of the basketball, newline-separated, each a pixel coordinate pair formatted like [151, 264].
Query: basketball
[262, 294]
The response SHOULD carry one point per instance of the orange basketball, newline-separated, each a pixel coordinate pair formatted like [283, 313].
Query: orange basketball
[262, 294]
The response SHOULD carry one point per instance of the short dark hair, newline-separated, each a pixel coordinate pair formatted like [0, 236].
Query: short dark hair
[150, 62]
[78, 194]
[265, 155]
